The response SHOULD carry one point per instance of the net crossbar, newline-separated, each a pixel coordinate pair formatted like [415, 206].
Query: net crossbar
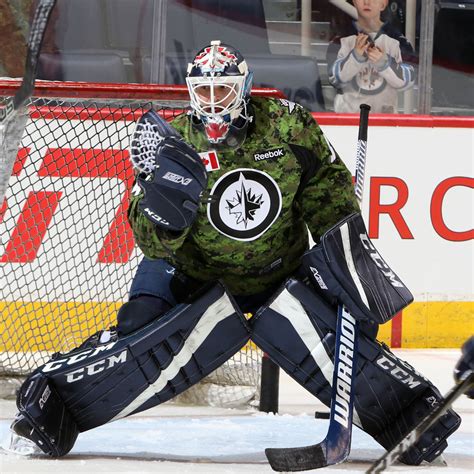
[67, 254]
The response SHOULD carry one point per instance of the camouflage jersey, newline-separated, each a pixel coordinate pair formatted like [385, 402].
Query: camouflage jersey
[252, 233]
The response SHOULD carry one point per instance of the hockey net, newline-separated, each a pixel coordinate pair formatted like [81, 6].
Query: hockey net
[67, 254]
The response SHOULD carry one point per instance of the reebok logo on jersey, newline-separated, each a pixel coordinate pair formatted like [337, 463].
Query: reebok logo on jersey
[210, 160]
[268, 155]
[176, 178]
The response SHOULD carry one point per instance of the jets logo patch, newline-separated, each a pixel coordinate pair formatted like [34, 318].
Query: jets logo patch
[245, 204]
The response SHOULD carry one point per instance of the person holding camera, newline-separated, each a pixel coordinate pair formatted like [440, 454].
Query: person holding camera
[366, 66]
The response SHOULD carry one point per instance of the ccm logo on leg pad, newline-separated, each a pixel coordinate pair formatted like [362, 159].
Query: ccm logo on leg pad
[96, 367]
[397, 372]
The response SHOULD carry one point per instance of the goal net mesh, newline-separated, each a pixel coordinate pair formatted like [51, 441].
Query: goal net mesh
[67, 254]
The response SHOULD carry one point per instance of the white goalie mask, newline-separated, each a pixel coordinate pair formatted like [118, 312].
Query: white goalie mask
[219, 85]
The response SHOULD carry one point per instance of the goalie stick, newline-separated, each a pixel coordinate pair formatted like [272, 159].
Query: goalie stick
[335, 447]
[412, 437]
[13, 105]
[37, 30]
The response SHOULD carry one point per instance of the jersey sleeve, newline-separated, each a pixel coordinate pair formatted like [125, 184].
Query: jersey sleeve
[326, 193]
[152, 241]
[398, 74]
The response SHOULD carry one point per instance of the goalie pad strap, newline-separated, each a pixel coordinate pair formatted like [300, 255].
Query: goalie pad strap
[149, 366]
[297, 330]
[347, 266]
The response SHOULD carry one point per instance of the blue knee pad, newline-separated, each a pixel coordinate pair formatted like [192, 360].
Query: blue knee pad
[153, 278]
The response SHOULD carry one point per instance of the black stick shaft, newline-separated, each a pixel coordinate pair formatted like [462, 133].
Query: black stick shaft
[364, 121]
[269, 386]
[337, 444]
[361, 152]
[11, 130]
[35, 40]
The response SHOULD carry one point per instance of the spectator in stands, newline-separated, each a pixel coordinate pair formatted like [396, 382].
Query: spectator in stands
[366, 66]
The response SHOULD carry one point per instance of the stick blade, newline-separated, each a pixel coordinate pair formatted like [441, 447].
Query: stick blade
[297, 459]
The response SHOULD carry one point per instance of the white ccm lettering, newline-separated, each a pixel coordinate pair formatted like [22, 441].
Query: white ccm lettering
[176, 178]
[44, 397]
[397, 372]
[53, 365]
[156, 217]
[96, 367]
[344, 369]
[379, 261]
[318, 278]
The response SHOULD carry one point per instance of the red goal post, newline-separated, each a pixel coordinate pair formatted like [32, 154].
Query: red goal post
[67, 255]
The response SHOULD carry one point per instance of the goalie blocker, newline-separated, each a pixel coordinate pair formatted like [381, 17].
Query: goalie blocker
[104, 380]
[346, 266]
[297, 330]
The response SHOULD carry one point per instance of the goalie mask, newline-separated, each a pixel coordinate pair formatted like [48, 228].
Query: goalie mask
[219, 85]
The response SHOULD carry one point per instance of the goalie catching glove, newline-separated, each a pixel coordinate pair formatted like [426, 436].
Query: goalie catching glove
[170, 173]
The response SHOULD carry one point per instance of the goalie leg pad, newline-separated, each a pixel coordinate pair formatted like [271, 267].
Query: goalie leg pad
[147, 367]
[297, 330]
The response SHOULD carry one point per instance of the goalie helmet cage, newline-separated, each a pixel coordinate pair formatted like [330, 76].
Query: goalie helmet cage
[67, 254]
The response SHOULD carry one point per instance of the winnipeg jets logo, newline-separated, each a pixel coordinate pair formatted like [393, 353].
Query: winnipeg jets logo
[214, 58]
[245, 204]
[369, 81]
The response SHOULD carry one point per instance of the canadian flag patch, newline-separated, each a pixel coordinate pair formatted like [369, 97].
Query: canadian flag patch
[209, 158]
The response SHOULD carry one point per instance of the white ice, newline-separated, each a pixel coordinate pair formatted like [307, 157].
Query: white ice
[177, 439]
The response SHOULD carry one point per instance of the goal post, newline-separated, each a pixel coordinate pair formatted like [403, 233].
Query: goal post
[67, 254]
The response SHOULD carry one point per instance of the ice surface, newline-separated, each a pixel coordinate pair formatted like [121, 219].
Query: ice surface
[209, 440]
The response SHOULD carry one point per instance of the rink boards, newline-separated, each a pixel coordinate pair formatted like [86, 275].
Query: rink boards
[418, 208]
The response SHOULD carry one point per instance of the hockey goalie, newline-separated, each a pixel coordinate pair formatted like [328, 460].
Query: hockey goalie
[222, 201]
